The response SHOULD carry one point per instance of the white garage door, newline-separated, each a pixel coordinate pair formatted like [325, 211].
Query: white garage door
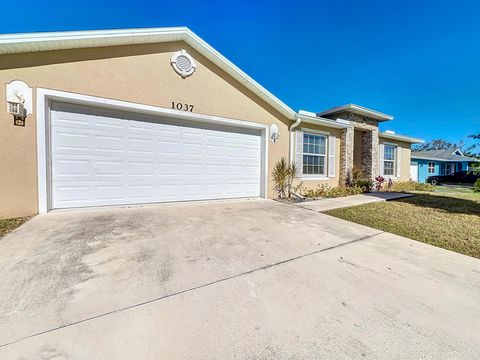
[107, 157]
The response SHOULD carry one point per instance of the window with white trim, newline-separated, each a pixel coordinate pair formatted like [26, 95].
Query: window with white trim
[389, 160]
[431, 167]
[314, 154]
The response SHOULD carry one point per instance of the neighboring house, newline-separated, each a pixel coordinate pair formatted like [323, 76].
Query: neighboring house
[438, 162]
[156, 115]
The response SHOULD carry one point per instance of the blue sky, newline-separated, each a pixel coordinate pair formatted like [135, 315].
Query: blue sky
[416, 60]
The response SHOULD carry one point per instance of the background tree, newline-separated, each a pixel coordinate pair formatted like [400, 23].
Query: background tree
[438, 144]
[474, 150]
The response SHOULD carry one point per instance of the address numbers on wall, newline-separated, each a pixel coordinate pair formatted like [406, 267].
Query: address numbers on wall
[182, 106]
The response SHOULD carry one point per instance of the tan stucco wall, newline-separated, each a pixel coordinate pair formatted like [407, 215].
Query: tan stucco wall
[405, 157]
[138, 73]
[333, 181]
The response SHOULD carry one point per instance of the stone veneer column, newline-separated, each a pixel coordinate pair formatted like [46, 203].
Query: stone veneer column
[370, 148]
[346, 154]
[369, 145]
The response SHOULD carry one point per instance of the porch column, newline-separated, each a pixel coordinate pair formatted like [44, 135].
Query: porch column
[346, 154]
[370, 156]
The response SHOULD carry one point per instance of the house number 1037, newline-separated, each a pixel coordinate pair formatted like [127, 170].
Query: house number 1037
[182, 106]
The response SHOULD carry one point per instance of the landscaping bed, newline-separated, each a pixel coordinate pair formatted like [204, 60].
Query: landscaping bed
[7, 225]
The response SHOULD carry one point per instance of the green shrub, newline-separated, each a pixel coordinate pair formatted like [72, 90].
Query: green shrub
[476, 186]
[283, 174]
[309, 193]
[366, 185]
[402, 186]
[353, 176]
[325, 191]
[361, 186]
[312, 193]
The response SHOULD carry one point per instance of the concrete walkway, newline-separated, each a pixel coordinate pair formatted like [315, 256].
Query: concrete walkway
[348, 201]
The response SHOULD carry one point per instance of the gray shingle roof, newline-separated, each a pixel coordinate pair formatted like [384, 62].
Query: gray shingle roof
[446, 155]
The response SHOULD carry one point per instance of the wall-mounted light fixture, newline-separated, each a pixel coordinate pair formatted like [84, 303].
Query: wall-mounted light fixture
[19, 101]
[16, 108]
[274, 133]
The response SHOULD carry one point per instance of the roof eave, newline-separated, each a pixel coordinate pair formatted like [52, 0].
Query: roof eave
[357, 109]
[33, 42]
[323, 121]
[413, 156]
[404, 138]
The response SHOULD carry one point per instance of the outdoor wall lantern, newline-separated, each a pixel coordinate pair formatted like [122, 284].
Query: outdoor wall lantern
[16, 108]
[19, 101]
[274, 133]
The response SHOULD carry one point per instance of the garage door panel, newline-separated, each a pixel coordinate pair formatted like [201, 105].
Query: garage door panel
[193, 151]
[193, 190]
[168, 148]
[73, 169]
[65, 142]
[168, 188]
[110, 193]
[171, 136]
[214, 151]
[213, 189]
[141, 168]
[108, 145]
[250, 153]
[105, 125]
[168, 170]
[109, 167]
[215, 170]
[72, 121]
[190, 168]
[140, 146]
[125, 158]
[139, 127]
[71, 195]
[141, 193]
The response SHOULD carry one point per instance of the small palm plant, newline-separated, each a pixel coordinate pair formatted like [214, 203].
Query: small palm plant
[283, 175]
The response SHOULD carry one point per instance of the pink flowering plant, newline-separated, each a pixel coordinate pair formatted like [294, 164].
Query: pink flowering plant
[379, 180]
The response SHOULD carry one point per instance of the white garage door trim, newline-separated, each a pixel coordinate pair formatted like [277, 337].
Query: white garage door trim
[45, 96]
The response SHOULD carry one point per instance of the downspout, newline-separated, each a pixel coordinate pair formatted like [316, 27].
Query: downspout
[292, 134]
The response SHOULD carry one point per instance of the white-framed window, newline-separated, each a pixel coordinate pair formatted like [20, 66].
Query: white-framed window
[314, 154]
[431, 167]
[389, 160]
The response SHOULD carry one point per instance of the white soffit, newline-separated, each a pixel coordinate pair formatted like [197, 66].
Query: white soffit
[408, 139]
[32, 42]
[357, 109]
[311, 118]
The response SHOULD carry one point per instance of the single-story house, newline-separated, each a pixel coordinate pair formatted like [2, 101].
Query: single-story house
[117, 117]
[438, 162]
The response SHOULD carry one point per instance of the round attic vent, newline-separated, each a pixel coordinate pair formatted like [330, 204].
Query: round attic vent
[183, 63]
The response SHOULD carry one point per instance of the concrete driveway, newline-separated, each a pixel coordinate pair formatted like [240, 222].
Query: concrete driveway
[230, 280]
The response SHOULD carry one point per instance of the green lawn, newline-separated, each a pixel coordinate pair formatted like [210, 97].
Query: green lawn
[7, 225]
[448, 218]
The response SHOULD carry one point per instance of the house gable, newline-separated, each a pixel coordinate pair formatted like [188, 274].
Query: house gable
[37, 42]
[141, 74]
